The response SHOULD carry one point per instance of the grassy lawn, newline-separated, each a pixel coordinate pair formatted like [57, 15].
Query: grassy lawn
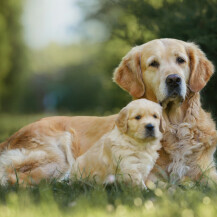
[83, 198]
[88, 199]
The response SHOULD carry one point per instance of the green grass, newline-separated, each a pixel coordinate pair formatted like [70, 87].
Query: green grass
[83, 198]
[88, 199]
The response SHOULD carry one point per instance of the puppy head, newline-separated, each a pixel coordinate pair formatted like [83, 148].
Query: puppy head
[141, 120]
[162, 70]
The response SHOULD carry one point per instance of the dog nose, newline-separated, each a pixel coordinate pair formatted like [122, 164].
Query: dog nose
[173, 80]
[149, 127]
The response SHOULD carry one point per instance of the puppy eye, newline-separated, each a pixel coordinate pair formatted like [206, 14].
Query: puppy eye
[155, 116]
[180, 60]
[138, 117]
[154, 64]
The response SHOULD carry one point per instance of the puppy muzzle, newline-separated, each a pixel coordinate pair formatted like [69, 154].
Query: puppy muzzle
[149, 131]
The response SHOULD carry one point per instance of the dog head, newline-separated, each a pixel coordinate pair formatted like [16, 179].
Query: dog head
[164, 70]
[141, 119]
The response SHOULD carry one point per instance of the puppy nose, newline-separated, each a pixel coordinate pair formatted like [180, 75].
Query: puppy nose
[173, 80]
[149, 127]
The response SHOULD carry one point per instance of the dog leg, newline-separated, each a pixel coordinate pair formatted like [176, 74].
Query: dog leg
[31, 177]
[24, 166]
[133, 177]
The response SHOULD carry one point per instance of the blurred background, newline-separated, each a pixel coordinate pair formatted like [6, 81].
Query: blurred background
[58, 56]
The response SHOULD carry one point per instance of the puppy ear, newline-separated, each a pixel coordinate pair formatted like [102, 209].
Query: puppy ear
[162, 125]
[128, 75]
[201, 68]
[121, 121]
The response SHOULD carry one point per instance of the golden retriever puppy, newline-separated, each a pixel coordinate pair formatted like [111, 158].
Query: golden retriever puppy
[166, 71]
[129, 151]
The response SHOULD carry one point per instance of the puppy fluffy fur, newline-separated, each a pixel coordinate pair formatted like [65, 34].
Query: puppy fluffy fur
[129, 151]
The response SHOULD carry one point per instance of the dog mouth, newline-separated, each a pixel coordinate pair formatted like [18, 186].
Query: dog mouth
[174, 97]
[172, 100]
[149, 136]
[146, 136]
[175, 92]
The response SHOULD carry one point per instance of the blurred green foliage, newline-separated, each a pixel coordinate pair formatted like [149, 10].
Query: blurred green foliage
[80, 80]
[193, 21]
[12, 52]
[140, 21]
[78, 77]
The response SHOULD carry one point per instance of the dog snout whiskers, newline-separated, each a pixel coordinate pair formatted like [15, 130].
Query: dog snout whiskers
[149, 128]
[173, 80]
[174, 86]
[149, 131]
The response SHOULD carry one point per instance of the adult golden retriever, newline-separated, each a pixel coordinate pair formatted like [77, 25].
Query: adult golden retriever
[129, 151]
[167, 71]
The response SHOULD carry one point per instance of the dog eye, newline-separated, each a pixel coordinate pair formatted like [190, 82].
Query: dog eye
[138, 117]
[155, 116]
[154, 64]
[180, 60]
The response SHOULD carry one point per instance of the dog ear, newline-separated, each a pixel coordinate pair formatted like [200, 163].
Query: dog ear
[201, 68]
[121, 121]
[162, 124]
[128, 75]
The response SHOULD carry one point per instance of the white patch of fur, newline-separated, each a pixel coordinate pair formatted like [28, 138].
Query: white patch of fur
[10, 157]
[65, 143]
[62, 143]
[183, 88]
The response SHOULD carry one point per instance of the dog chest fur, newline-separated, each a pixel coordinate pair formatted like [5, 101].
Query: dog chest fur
[190, 142]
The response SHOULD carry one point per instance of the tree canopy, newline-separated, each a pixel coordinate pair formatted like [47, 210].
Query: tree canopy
[12, 50]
